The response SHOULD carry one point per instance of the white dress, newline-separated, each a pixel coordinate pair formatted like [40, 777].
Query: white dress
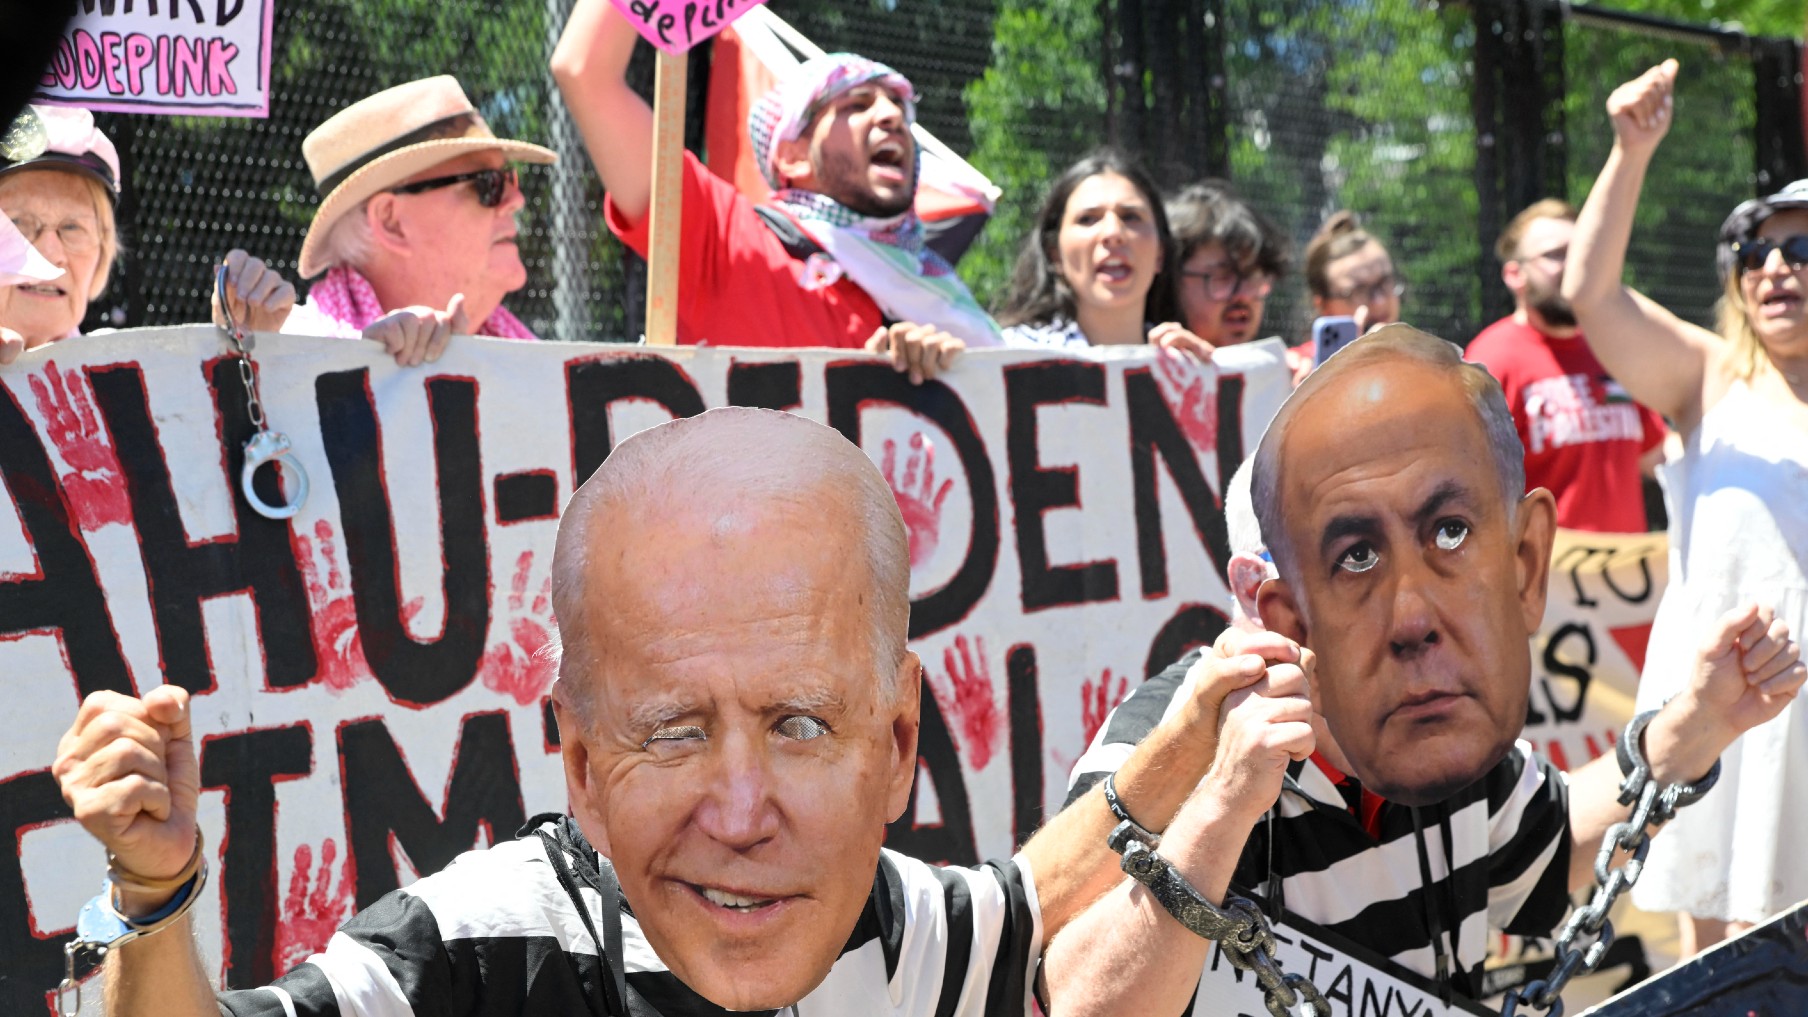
[1738, 501]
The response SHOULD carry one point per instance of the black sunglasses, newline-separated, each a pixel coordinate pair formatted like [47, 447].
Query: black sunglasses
[1752, 254]
[492, 184]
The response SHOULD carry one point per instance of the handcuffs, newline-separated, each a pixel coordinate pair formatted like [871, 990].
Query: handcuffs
[265, 446]
[100, 927]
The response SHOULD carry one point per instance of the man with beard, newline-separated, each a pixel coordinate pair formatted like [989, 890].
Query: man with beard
[1585, 440]
[837, 256]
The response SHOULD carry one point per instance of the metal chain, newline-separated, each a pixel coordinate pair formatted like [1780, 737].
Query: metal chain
[1588, 933]
[254, 406]
[1239, 927]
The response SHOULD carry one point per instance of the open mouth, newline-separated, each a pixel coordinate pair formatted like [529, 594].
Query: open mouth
[1237, 315]
[44, 290]
[730, 901]
[1779, 302]
[890, 158]
[1115, 270]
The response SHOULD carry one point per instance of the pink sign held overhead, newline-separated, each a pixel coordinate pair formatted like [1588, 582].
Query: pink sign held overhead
[676, 25]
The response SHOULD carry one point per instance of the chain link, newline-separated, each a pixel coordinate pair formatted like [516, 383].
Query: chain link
[1588, 933]
[254, 406]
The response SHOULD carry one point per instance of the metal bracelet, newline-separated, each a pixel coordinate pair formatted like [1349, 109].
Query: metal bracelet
[1239, 927]
[100, 928]
[1652, 806]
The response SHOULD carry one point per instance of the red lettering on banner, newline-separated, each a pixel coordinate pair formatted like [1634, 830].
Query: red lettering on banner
[140, 52]
[515, 666]
[110, 61]
[919, 499]
[312, 913]
[87, 59]
[220, 55]
[1633, 639]
[93, 486]
[969, 701]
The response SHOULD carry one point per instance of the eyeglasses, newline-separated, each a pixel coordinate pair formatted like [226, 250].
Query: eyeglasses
[1368, 293]
[492, 184]
[1223, 282]
[76, 236]
[1752, 254]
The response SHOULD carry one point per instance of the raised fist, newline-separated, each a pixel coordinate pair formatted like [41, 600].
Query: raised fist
[128, 769]
[1641, 108]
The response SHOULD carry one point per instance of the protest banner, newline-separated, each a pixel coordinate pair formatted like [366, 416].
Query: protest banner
[191, 57]
[367, 699]
[1587, 656]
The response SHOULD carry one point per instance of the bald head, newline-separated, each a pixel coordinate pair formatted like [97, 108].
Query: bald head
[1406, 345]
[719, 485]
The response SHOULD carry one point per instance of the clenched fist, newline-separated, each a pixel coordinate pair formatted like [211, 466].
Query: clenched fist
[128, 769]
[1641, 109]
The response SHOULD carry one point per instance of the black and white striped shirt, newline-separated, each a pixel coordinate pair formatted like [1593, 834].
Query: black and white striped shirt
[496, 935]
[1497, 851]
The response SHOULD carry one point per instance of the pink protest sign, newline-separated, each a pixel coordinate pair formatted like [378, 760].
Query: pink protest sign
[676, 25]
[190, 58]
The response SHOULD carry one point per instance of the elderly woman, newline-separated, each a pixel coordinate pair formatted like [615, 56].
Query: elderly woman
[1738, 500]
[1096, 272]
[59, 183]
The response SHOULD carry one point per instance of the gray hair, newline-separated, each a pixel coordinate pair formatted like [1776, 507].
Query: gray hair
[349, 242]
[1391, 342]
[721, 462]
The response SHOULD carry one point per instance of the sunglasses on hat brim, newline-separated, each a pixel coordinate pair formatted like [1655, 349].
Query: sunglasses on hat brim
[1752, 254]
[492, 184]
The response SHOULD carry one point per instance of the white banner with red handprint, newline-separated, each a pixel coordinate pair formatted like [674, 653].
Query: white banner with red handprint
[367, 698]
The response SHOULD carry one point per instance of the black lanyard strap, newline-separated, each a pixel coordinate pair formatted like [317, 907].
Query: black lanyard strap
[609, 945]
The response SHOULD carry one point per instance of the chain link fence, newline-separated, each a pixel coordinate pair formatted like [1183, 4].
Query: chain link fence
[1434, 121]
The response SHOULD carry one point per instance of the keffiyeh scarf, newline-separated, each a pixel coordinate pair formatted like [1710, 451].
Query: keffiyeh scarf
[885, 256]
[347, 298]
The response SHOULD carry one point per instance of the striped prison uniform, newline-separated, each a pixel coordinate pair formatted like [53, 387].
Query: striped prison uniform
[496, 935]
[1498, 850]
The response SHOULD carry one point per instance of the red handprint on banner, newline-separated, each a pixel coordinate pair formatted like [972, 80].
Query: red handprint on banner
[1097, 700]
[335, 616]
[1191, 390]
[310, 916]
[94, 487]
[919, 499]
[515, 666]
[968, 703]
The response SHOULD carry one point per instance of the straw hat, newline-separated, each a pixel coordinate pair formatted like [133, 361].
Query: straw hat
[377, 143]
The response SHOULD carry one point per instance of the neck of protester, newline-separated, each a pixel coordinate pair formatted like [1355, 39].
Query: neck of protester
[1112, 326]
[397, 286]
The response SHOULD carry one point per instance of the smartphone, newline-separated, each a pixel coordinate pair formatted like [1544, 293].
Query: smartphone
[1330, 334]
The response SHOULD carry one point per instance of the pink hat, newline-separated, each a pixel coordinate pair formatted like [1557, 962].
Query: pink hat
[62, 137]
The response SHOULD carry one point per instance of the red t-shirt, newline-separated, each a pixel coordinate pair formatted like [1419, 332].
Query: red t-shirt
[1583, 434]
[738, 286]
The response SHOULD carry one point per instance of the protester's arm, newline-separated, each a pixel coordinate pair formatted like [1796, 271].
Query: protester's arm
[1073, 864]
[591, 65]
[1126, 954]
[127, 768]
[1660, 358]
[1746, 674]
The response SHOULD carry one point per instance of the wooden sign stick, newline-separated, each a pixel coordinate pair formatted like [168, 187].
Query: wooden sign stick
[668, 198]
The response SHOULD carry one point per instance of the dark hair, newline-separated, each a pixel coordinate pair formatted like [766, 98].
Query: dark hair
[1209, 212]
[1341, 235]
[1038, 293]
